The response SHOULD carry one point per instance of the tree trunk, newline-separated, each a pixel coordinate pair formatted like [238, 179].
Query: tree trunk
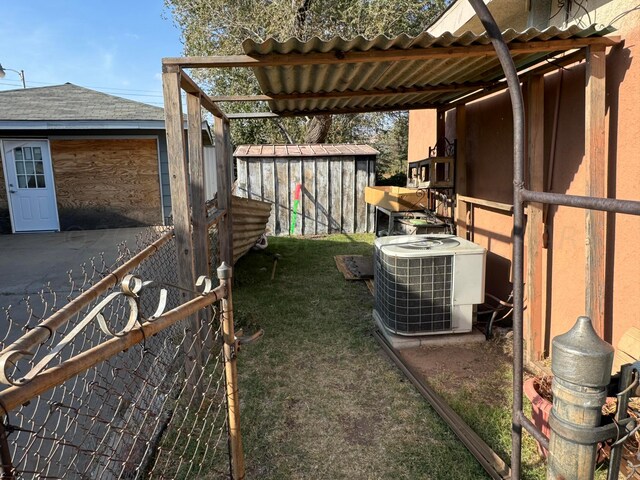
[318, 129]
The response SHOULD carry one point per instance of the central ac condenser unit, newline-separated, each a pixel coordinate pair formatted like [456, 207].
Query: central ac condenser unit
[427, 284]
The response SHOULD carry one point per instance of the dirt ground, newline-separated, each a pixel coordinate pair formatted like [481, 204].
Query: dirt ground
[479, 367]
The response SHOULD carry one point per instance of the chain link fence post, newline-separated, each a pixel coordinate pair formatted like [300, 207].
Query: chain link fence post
[230, 356]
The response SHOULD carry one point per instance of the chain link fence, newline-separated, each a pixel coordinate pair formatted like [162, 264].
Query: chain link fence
[155, 410]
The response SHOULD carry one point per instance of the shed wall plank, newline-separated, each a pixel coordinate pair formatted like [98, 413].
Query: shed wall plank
[283, 207]
[268, 189]
[295, 178]
[348, 204]
[254, 184]
[360, 205]
[372, 181]
[335, 195]
[308, 197]
[322, 188]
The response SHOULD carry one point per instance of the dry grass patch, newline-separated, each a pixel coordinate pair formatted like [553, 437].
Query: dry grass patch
[319, 399]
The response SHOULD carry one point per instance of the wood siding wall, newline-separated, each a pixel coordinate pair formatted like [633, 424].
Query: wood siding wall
[106, 183]
[332, 195]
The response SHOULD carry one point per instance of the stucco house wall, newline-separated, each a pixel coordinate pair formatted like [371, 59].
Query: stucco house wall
[489, 156]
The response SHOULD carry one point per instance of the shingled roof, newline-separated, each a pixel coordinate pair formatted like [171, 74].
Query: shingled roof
[70, 102]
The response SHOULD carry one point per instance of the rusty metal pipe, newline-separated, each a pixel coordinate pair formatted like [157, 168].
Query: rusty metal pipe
[517, 106]
[231, 374]
[626, 378]
[631, 207]
[533, 431]
[8, 472]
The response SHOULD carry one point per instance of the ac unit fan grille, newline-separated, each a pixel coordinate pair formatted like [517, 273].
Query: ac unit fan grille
[413, 295]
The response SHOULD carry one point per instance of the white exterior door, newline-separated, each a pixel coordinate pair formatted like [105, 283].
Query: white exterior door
[30, 187]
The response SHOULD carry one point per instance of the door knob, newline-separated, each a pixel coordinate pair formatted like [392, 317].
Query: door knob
[12, 191]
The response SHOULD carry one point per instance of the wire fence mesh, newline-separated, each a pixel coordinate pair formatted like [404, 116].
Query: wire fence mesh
[136, 414]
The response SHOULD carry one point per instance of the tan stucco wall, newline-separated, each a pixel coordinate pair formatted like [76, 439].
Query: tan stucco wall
[423, 121]
[489, 147]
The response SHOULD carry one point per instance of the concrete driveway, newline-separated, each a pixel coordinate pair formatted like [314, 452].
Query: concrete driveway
[30, 261]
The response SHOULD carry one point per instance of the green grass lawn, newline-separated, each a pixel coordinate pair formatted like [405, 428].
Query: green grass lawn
[318, 397]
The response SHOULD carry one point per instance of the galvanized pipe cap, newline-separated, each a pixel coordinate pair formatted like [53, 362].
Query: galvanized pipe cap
[581, 357]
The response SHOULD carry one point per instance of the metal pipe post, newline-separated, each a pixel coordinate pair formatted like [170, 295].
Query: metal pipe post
[517, 106]
[231, 374]
[581, 365]
[8, 472]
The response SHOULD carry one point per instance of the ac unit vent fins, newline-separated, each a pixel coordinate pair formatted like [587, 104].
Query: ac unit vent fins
[413, 295]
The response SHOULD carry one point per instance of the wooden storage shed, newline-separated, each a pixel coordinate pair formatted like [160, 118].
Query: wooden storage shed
[332, 180]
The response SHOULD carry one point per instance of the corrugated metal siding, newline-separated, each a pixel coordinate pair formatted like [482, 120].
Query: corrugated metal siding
[380, 75]
[308, 150]
[332, 198]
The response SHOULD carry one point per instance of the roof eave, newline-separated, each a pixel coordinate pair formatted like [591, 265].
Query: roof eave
[81, 124]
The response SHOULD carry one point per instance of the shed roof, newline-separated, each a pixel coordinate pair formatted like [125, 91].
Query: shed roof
[72, 103]
[344, 76]
[309, 150]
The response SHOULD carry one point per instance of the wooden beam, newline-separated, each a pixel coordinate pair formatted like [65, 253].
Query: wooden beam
[223, 166]
[333, 111]
[189, 86]
[356, 93]
[462, 208]
[503, 207]
[596, 181]
[178, 182]
[539, 69]
[196, 169]
[534, 314]
[370, 56]
[200, 228]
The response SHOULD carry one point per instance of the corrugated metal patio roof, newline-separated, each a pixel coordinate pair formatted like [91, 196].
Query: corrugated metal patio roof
[421, 72]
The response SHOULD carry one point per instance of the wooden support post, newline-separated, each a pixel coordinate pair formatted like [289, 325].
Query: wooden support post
[178, 182]
[441, 133]
[462, 208]
[196, 170]
[596, 181]
[534, 314]
[200, 231]
[231, 375]
[224, 171]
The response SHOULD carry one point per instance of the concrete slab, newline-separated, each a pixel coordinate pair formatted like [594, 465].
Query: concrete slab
[400, 342]
[28, 262]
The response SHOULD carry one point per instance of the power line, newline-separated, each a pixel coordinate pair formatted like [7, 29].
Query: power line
[102, 88]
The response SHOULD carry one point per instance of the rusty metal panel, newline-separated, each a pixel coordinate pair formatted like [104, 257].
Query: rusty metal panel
[332, 185]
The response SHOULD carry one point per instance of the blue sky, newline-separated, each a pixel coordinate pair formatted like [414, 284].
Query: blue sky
[113, 46]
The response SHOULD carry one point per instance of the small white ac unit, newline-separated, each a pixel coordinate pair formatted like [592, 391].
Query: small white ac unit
[427, 284]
